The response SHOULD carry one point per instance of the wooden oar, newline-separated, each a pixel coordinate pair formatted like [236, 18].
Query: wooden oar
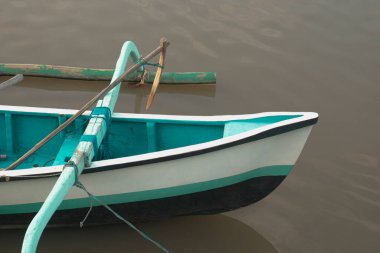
[85, 107]
[10, 82]
[156, 81]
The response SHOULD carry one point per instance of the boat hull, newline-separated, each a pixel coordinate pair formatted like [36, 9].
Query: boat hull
[165, 189]
[208, 178]
[200, 203]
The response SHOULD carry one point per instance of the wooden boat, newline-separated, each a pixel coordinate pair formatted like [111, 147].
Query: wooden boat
[149, 166]
[139, 167]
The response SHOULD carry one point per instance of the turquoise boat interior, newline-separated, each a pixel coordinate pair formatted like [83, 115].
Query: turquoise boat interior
[20, 131]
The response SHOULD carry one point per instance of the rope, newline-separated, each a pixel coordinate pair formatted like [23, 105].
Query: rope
[143, 72]
[81, 224]
[142, 62]
[93, 197]
[76, 170]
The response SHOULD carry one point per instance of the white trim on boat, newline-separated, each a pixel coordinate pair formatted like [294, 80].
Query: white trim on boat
[306, 115]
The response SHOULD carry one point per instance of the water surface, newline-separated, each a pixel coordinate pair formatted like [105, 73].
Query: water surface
[269, 55]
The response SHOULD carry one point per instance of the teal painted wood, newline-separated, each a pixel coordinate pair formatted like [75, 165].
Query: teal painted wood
[82, 156]
[9, 131]
[152, 137]
[104, 74]
[68, 147]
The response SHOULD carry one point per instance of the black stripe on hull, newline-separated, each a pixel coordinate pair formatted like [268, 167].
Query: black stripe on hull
[206, 202]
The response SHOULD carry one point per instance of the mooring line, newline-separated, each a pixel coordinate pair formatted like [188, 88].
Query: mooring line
[93, 197]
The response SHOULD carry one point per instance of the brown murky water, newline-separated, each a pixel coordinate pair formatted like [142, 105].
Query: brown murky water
[270, 55]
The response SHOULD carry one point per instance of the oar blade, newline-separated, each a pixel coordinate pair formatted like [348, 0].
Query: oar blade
[161, 62]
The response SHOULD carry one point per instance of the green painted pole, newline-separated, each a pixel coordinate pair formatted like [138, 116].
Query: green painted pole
[183, 77]
[89, 74]
[82, 156]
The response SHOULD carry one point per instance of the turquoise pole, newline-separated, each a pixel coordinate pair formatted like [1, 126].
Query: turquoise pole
[82, 157]
[39, 222]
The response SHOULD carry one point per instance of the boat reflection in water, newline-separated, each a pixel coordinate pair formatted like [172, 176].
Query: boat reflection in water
[212, 233]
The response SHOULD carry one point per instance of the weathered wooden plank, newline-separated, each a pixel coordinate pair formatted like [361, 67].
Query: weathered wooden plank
[91, 74]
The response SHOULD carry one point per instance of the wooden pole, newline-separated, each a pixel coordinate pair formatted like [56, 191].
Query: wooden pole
[92, 74]
[14, 80]
[85, 107]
